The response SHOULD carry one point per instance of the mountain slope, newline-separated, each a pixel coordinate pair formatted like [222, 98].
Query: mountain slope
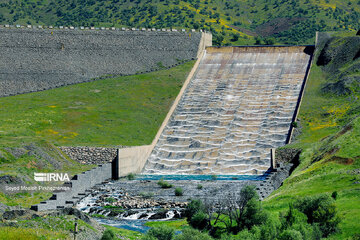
[330, 135]
[232, 22]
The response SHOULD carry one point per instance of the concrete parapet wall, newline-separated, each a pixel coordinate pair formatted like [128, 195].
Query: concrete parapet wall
[132, 160]
[78, 185]
[205, 41]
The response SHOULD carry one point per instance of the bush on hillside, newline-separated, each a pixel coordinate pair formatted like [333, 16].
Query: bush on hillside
[108, 235]
[159, 233]
[320, 210]
[192, 234]
[290, 234]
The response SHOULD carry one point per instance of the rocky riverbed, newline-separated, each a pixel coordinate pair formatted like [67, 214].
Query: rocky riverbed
[130, 203]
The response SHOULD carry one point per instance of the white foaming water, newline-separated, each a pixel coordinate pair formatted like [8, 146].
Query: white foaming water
[236, 108]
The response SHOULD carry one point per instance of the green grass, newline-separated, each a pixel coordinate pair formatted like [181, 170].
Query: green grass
[175, 224]
[124, 233]
[322, 117]
[45, 227]
[118, 111]
[24, 167]
[13, 233]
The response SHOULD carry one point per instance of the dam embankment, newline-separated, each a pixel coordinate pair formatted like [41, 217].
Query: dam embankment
[237, 107]
[39, 59]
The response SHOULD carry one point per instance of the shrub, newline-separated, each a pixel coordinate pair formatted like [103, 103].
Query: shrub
[199, 220]
[130, 176]
[199, 186]
[294, 124]
[334, 195]
[179, 191]
[146, 195]
[320, 210]
[193, 207]
[160, 233]
[110, 200]
[213, 177]
[291, 217]
[269, 230]
[108, 235]
[243, 235]
[290, 234]
[164, 184]
[192, 234]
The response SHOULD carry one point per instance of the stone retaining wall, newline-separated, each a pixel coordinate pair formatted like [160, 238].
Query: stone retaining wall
[287, 155]
[79, 187]
[90, 155]
[39, 59]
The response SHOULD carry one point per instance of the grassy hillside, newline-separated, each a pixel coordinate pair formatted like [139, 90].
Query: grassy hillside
[17, 167]
[232, 22]
[330, 139]
[111, 112]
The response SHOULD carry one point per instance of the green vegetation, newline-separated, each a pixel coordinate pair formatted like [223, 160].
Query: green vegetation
[231, 22]
[159, 233]
[124, 233]
[175, 224]
[29, 233]
[108, 235]
[147, 195]
[130, 176]
[242, 217]
[44, 227]
[110, 200]
[179, 191]
[330, 142]
[164, 184]
[118, 111]
[39, 157]
[199, 186]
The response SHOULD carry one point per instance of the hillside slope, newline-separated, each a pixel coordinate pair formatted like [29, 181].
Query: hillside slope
[330, 134]
[125, 110]
[232, 22]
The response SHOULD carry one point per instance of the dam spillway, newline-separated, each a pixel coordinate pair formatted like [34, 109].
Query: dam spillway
[239, 104]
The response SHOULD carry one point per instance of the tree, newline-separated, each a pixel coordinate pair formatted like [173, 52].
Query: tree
[269, 41]
[242, 210]
[235, 37]
[193, 207]
[257, 40]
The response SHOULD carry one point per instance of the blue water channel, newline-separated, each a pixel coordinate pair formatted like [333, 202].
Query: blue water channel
[203, 177]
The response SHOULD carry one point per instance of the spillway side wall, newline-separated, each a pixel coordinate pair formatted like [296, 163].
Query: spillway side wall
[132, 160]
[297, 109]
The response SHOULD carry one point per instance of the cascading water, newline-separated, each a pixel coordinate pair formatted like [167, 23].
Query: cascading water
[238, 106]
